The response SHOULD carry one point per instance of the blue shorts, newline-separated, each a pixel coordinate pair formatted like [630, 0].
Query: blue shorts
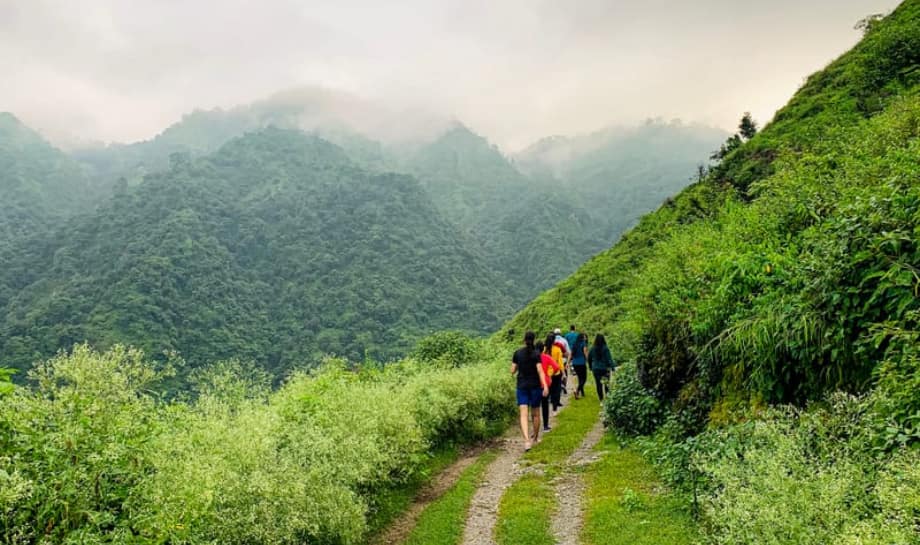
[530, 397]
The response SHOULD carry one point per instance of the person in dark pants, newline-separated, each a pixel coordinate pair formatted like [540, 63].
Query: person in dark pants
[555, 386]
[550, 369]
[601, 363]
[579, 362]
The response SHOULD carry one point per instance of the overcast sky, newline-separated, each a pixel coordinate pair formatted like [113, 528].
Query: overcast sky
[513, 70]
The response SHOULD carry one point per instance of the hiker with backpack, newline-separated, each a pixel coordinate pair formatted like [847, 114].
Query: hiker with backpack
[532, 387]
[601, 363]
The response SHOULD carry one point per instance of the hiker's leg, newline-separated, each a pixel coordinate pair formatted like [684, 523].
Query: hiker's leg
[582, 372]
[599, 381]
[544, 405]
[536, 423]
[524, 418]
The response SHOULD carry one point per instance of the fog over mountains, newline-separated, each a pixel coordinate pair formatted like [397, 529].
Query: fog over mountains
[308, 223]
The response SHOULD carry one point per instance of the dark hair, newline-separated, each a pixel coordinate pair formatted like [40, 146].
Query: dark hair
[572, 327]
[582, 338]
[550, 341]
[600, 340]
[529, 338]
[539, 346]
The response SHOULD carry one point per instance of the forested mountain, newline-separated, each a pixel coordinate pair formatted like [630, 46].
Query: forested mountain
[39, 185]
[529, 231]
[275, 249]
[515, 234]
[623, 172]
[768, 318]
[338, 117]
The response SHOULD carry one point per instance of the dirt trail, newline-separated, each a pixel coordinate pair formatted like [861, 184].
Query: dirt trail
[570, 489]
[501, 473]
[399, 530]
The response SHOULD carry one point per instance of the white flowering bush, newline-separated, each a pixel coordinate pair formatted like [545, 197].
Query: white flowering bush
[92, 456]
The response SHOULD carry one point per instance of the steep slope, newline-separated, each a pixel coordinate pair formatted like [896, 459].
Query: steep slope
[274, 249]
[777, 277]
[768, 320]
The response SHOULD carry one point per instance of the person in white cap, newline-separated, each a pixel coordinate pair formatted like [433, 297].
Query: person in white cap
[562, 343]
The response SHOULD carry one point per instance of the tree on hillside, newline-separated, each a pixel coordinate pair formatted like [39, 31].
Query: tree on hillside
[747, 128]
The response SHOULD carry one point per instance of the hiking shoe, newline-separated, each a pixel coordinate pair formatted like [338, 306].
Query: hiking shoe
[547, 429]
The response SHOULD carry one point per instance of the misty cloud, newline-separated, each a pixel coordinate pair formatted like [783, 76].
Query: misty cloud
[513, 70]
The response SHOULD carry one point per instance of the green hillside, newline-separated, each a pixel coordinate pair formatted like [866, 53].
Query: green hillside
[39, 185]
[789, 273]
[276, 249]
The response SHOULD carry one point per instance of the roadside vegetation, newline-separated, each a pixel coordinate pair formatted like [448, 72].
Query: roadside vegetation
[92, 454]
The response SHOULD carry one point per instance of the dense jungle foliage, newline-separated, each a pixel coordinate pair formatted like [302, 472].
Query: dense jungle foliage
[790, 272]
[276, 249]
[91, 455]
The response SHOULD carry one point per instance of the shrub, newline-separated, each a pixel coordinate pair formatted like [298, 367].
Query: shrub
[92, 456]
[629, 408]
[450, 348]
[808, 478]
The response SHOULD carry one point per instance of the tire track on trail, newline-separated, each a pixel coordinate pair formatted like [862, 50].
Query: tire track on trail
[502, 473]
[398, 531]
[570, 489]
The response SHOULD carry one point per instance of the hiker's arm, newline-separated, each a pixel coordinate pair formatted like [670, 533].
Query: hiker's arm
[543, 381]
[513, 368]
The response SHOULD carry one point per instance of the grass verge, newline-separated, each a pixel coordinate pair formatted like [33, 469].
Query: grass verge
[526, 509]
[626, 504]
[442, 522]
[391, 502]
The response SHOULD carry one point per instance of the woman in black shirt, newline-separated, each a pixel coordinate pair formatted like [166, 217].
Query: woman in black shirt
[531, 387]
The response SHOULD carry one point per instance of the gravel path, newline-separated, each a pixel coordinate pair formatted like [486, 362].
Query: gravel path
[570, 489]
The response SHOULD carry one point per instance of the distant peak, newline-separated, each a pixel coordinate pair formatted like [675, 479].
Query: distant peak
[8, 117]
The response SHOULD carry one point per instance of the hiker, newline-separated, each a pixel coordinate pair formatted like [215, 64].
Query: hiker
[601, 363]
[579, 363]
[532, 387]
[555, 386]
[550, 369]
[567, 358]
[570, 338]
[562, 343]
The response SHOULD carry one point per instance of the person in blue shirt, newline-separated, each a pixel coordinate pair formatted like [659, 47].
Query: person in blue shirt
[571, 337]
[580, 363]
